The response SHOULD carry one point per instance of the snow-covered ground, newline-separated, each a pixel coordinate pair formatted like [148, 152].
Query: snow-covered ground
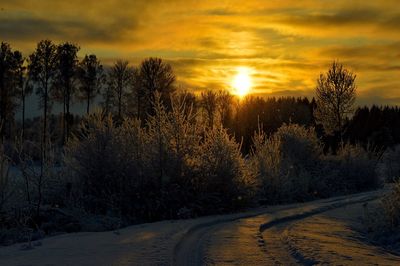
[323, 231]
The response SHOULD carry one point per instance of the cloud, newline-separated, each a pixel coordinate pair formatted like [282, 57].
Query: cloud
[285, 43]
[33, 29]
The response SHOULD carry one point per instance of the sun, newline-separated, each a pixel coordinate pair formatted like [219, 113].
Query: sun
[241, 83]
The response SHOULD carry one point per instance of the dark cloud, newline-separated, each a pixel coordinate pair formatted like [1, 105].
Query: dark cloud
[363, 51]
[32, 29]
[359, 17]
[343, 17]
[219, 12]
[392, 22]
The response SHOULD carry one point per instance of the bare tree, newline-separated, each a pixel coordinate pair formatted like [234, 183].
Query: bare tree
[138, 94]
[188, 100]
[336, 94]
[120, 78]
[107, 94]
[155, 75]
[67, 61]
[23, 85]
[91, 76]
[225, 101]
[8, 66]
[43, 70]
[209, 103]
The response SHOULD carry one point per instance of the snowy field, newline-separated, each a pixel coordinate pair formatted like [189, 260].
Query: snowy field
[319, 232]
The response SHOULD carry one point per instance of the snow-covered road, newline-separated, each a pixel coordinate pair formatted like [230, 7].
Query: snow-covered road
[319, 232]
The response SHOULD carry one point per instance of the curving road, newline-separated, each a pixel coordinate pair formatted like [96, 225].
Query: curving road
[277, 237]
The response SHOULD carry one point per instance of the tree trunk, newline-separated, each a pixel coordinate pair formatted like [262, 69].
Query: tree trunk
[88, 102]
[23, 115]
[68, 99]
[138, 104]
[119, 102]
[43, 148]
[63, 122]
[2, 108]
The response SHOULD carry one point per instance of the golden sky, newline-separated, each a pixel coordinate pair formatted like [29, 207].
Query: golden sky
[284, 44]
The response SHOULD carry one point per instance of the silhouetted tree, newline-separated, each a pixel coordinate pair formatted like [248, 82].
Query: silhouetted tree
[91, 77]
[43, 70]
[67, 61]
[189, 100]
[8, 66]
[209, 103]
[138, 94]
[269, 113]
[24, 86]
[120, 78]
[336, 94]
[225, 102]
[155, 75]
[108, 97]
[374, 126]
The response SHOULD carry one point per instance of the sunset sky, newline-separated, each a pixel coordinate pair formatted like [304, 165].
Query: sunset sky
[283, 44]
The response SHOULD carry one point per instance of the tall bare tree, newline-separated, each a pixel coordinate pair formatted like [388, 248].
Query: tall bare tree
[107, 94]
[91, 77]
[67, 62]
[23, 85]
[8, 67]
[225, 102]
[209, 103]
[155, 76]
[120, 78]
[336, 95]
[43, 70]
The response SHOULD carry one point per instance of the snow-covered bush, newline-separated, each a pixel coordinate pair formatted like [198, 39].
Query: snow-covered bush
[391, 206]
[223, 179]
[352, 169]
[382, 219]
[389, 167]
[197, 171]
[157, 169]
[171, 139]
[102, 157]
[287, 163]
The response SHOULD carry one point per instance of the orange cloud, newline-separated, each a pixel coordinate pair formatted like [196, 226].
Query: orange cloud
[285, 43]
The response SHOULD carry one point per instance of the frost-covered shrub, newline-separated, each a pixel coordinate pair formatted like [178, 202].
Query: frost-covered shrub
[222, 180]
[171, 140]
[198, 171]
[389, 167]
[167, 168]
[382, 219]
[106, 161]
[290, 166]
[352, 169]
[391, 206]
[287, 163]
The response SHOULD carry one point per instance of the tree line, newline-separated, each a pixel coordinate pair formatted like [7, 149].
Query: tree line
[56, 74]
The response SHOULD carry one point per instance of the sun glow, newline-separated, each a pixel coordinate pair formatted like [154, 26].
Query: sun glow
[241, 83]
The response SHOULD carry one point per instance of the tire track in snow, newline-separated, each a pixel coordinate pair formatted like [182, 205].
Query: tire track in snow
[285, 250]
[190, 249]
